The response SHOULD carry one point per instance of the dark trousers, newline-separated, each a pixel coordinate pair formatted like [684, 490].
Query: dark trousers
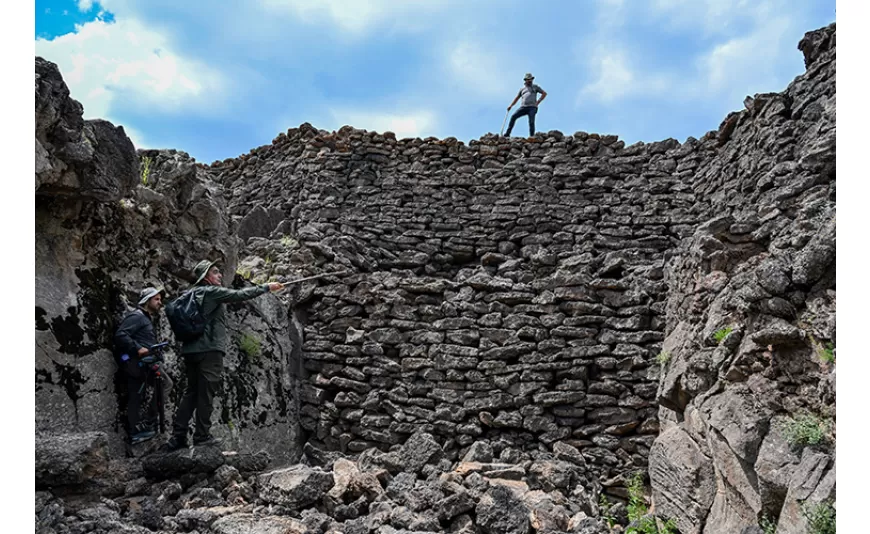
[203, 372]
[136, 393]
[528, 110]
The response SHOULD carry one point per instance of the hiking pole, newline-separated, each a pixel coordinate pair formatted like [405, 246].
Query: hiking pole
[504, 121]
[316, 276]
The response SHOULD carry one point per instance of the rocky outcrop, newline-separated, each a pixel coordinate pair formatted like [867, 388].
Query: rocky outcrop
[70, 459]
[750, 316]
[105, 228]
[77, 158]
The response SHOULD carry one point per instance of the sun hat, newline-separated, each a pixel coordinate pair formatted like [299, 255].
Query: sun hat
[201, 270]
[146, 294]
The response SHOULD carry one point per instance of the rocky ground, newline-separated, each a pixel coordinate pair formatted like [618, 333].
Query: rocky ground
[412, 488]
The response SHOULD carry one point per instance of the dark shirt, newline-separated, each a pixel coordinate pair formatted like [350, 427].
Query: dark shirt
[136, 331]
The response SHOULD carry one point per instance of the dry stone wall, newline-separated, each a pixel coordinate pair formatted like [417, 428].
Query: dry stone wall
[508, 290]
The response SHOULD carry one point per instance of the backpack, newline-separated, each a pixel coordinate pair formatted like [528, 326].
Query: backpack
[186, 317]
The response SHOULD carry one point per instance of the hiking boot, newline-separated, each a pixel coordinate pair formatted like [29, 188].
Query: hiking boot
[142, 436]
[206, 441]
[173, 444]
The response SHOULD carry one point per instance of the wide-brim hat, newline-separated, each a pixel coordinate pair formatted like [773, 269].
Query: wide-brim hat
[528, 76]
[146, 294]
[201, 270]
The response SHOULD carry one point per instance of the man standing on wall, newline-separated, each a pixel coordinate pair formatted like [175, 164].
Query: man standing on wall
[133, 339]
[203, 356]
[529, 105]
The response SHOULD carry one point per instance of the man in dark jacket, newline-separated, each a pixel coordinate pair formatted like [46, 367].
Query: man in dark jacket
[203, 357]
[134, 337]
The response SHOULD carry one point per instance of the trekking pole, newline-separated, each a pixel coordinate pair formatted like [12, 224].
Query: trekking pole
[316, 276]
[504, 121]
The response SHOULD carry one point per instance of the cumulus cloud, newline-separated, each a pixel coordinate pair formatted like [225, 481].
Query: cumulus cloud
[105, 61]
[355, 16]
[614, 78]
[749, 43]
[712, 16]
[478, 69]
[85, 5]
[419, 123]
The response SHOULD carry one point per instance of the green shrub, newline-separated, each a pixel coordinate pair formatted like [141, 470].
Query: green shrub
[767, 525]
[663, 358]
[805, 429]
[636, 501]
[637, 511]
[146, 169]
[605, 509]
[821, 517]
[244, 272]
[250, 346]
[827, 354]
[722, 333]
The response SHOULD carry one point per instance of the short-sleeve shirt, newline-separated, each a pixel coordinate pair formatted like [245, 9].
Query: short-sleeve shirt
[527, 93]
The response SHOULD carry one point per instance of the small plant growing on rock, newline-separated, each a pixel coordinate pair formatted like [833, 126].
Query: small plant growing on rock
[827, 354]
[244, 272]
[767, 525]
[663, 358]
[821, 518]
[806, 429]
[641, 522]
[146, 169]
[250, 346]
[605, 506]
[722, 333]
[288, 242]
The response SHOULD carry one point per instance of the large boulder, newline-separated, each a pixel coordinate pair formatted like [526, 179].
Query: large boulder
[177, 463]
[683, 481]
[70, 459]
[295, 487]
[500, 511]
[250, 524]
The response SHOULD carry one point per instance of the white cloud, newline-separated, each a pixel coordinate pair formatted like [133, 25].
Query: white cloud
[85, 5]
[478, 69]
[102, 61]
[357, 16]
[748, 61]
[420, 123]
[750, 42]
[615, 78]
[714, 16]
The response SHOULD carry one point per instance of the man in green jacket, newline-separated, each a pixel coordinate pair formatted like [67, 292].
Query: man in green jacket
[203, 357]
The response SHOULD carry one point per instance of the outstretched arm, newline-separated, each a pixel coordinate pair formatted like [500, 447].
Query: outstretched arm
[514, 102]
[223, 294]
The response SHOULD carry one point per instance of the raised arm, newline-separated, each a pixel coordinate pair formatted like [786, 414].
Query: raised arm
[224, 294]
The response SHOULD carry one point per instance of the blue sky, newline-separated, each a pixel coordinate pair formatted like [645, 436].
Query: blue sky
[218, 81]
